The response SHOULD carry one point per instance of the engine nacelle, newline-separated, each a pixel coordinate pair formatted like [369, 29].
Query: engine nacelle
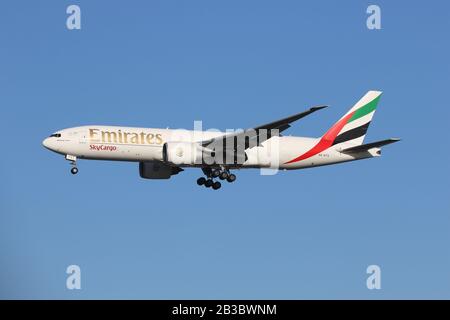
[157, 170]
[188, 153]
[182, 153]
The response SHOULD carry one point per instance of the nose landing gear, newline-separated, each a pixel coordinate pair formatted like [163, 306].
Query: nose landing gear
[73, 163]
[211, 174]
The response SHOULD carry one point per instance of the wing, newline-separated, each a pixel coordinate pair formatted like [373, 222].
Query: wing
[255, 136]
[279, 125]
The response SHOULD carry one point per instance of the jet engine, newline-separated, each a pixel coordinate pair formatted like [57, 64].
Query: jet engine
[182, 153]
[189, 154]
[157, 170]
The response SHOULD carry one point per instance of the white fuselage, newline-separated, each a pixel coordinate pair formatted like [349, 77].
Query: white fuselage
[99, 142]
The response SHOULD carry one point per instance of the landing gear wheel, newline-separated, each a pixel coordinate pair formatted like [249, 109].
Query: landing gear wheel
[201, 181]
[216, 185]
[215, 173]
[74, 170]
[209, 183]
[223, 175]
[231, 178]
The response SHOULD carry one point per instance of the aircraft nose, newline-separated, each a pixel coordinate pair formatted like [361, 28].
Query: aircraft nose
[46, 143]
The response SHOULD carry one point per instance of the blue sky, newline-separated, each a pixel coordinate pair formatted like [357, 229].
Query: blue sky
[232, 64]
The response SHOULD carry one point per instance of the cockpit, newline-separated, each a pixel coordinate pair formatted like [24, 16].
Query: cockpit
[56, 135]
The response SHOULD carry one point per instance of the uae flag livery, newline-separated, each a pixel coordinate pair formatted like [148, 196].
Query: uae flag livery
[351, 128]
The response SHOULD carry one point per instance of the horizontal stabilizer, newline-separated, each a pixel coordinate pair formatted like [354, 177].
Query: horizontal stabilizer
[365, 147]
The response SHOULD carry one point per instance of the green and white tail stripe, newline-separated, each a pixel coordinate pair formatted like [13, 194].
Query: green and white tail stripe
[351, 128]
[357, 119]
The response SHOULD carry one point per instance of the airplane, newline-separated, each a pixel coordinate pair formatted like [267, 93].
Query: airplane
[162, 153]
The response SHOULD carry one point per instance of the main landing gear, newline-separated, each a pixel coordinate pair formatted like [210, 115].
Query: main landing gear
[73, 163]
[211, 174]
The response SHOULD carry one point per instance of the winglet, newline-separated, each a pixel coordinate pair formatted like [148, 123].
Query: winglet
[317, 108]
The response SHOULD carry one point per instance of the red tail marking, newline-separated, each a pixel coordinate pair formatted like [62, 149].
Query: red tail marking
[326, 141]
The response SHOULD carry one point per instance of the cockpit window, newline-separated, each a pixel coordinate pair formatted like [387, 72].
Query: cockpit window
[56, 135]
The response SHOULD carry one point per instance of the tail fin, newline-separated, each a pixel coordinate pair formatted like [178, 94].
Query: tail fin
[352, 127]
